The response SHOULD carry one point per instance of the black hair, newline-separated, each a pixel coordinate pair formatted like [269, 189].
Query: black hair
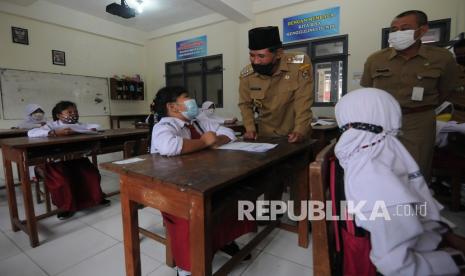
[59, 107]
[422, 18]
[165, 95]
[459, 44]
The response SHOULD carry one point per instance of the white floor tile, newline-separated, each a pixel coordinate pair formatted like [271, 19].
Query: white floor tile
[153, 249]
[99, 213]
[109, 263]
[20, 265]
[269, 265]
[7, 248]
[284, 245]
[163, 270]
[60, 254]
[113, 226]
[49, 229]
[5, 223]
[221, 258]
[244, 239]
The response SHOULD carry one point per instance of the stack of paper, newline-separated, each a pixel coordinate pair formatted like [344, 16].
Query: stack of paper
[324, 122]
[79, 128]
[252, 147]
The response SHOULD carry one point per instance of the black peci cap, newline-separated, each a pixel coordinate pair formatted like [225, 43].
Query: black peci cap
[264, 38]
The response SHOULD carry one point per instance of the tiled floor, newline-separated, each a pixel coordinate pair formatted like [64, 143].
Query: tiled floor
[90, 244]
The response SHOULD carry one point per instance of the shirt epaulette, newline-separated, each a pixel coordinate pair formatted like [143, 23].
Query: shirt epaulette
[304, 67]
[248, 70]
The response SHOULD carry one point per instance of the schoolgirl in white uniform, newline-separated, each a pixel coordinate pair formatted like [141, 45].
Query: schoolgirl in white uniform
[176, 133]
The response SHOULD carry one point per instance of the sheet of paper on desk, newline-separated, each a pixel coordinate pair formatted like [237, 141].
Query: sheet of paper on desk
[322, 122]
[253, 147]
[128, 161]
[79, 129]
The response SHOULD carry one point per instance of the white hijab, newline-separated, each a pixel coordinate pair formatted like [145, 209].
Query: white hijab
[377, 166]
[28, 112]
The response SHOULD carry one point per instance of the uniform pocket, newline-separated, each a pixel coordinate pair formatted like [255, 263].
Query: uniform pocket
[428, 80]
[382, 80]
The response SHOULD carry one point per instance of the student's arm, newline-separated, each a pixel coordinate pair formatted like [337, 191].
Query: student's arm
[191, 145]
[224, 135]
[166, 141]
[221, 140]
[42, 131]
[219, 130]
[404, 246]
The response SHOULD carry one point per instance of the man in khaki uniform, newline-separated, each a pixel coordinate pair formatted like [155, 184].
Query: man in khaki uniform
[278, 86]
[419, 77]
[458, 96]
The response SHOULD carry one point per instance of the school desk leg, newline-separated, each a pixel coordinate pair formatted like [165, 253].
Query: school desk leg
[9, 183]
[302, 183]
[131, 232]
[31, 222]
[200, 233]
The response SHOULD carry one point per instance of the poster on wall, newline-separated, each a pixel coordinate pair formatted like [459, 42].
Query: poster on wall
[311, 25]
[191, 48]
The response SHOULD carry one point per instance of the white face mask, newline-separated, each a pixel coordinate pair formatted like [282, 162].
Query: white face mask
[401, 40]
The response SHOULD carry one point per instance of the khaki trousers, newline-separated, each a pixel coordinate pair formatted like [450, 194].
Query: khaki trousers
[418, 136]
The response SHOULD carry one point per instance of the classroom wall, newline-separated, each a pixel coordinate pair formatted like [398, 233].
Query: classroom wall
[222, 38]
[86, 54]
[95, 54]
[362, 20]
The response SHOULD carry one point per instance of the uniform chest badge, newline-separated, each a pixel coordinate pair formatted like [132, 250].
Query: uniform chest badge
[287, 77]
[296, 59]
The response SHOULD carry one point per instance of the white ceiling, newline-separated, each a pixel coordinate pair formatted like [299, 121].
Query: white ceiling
[156, 14]
[159, 18]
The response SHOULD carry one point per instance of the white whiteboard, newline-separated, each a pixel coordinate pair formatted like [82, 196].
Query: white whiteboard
[20, 88]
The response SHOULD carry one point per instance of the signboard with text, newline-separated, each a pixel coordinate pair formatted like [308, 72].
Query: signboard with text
[191, 48]
[311, 25]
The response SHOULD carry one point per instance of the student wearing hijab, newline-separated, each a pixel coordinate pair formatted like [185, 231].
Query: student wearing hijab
[177, 132]
[73, 184]
[378, 167]
[34, 117]
[208, 113]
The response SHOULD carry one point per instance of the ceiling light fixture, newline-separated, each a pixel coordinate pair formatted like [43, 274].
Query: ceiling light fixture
[139, 8]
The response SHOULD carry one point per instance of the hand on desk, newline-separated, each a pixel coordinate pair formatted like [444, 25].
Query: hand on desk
[295, 137]
[250, 135]
[62, 132]
[209, 138]
[230, 122]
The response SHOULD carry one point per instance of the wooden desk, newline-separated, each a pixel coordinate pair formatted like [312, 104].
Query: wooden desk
[134, 118]
[183, 186]
[10, 133]
[323, 135]
[26, 151]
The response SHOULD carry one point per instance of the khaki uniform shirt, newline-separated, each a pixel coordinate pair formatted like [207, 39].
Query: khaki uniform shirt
[283, 100]
[433, 69]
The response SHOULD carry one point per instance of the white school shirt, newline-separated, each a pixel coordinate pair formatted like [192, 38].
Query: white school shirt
[168, 134]
[45, 129]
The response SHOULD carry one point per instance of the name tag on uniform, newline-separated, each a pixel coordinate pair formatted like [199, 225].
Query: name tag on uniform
[417, 94]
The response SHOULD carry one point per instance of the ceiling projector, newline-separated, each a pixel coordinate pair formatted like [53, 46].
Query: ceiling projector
[122, 10]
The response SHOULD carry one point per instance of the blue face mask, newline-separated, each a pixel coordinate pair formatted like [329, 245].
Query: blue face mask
[192, 110]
